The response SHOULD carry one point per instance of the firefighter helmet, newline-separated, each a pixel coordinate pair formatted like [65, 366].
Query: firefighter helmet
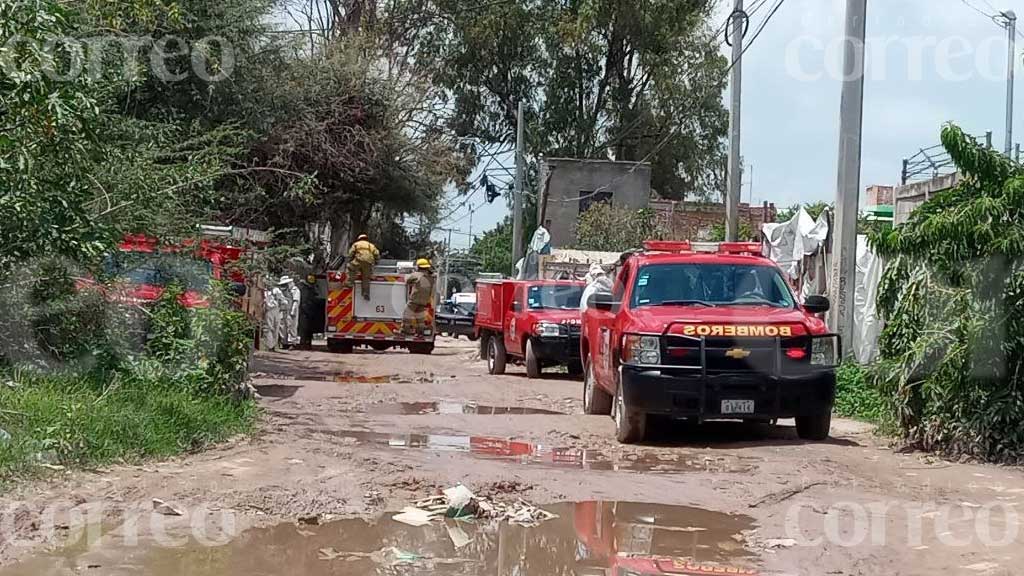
[423, 264]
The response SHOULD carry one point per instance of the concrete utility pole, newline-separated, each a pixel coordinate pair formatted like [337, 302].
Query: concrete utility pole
[732, 197]
[517, 193]
[447, 266]
[851, 122]
[1011, 27]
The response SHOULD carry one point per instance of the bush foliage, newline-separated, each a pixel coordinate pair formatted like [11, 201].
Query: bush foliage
[608, 228]
[77, 393]
[952, 352]
[856, 397]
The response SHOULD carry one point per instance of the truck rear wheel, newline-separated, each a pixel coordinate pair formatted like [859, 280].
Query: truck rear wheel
[496, 356]
[814, 427]
[339, 346]
[533, 369]
[630, 425]
[422, 348]
[595, 399]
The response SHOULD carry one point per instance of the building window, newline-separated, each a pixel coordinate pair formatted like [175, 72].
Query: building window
[589, 198]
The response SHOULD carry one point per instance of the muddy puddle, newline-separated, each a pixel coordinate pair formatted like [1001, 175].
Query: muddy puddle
[542, 455]
[453, 407]
[587, 538]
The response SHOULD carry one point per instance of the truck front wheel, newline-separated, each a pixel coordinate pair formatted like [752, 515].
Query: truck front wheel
[630, 425]
[814, 427]
[595, 399]
[532, 362]
[496, 357]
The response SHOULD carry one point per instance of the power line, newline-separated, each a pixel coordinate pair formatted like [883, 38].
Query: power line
[718, 44]
[668, 137]
[978, 10]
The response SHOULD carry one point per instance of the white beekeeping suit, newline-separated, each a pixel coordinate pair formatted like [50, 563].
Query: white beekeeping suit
[271, 319]
[293, 314]
[283, 298]
[597, 282]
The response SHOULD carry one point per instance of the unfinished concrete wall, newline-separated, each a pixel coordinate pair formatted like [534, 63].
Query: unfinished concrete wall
[570, 186]
[910, 196]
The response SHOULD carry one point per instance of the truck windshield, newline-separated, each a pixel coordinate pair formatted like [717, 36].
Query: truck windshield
[710, 285]
[558, 297]
[160, 269]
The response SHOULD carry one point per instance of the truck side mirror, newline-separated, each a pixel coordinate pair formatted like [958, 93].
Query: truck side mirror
[817, 304]
[602, 301]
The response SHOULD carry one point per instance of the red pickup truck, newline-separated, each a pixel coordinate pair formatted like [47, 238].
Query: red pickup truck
[533, 322]
[707, 333]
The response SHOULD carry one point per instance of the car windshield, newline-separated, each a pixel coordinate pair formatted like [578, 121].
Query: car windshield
[160, 269]
[559, 297]
[710, 285]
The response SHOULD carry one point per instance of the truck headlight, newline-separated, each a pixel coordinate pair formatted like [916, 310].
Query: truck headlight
[825, 351]
[637, 349]
[547, 329]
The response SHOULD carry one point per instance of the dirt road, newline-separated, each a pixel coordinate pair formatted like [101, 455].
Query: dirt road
[347, 438]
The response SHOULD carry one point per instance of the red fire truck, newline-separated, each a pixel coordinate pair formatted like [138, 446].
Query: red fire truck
[144, 266]
[533, 322]
[377, 322]
[707, 332]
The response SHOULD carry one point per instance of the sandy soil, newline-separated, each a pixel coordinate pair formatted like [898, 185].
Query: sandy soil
[351, 436]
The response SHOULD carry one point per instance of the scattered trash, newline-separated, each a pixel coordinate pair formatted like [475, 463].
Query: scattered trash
[414, 516]
[458, 536]
[161, 507]
[970, 505]
[53, 467]
[460, 502]
[4, 436]
[309, 520]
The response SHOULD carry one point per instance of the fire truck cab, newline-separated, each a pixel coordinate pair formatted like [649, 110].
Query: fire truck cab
[706, 332]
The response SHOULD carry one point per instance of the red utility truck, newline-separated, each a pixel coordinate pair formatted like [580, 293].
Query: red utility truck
[533, 322]
[707, 332]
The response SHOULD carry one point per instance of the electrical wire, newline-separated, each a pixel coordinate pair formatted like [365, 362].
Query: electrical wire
[978, 10]
[668, 137]
[719, 43]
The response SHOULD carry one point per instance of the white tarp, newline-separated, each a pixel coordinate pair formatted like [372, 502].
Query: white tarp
[792, 241]
[797, 247]
[867, 326]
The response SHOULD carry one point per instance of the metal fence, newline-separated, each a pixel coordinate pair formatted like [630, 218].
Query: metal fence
[930, 163]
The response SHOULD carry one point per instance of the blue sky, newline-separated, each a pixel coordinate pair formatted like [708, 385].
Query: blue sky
[929, 62]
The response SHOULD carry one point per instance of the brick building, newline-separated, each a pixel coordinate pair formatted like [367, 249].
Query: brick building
[880, 196]
[695, 220]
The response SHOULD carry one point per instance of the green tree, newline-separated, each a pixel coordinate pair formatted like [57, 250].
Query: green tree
[633, 81]
[494, 249]
[952, 352]
[607, 228]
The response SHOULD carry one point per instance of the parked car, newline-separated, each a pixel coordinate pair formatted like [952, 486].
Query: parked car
[454, 319]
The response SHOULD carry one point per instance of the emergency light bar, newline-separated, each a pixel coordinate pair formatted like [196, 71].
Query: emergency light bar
[667, 246]
[751, 248]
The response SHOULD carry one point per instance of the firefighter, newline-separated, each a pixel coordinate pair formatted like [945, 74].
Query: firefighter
[362, 257]
[420, 291]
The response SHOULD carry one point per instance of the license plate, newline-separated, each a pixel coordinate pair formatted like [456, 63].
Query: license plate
[737, 406]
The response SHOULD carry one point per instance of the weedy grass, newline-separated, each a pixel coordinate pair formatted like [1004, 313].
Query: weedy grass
[180, 390]
[857, 398]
